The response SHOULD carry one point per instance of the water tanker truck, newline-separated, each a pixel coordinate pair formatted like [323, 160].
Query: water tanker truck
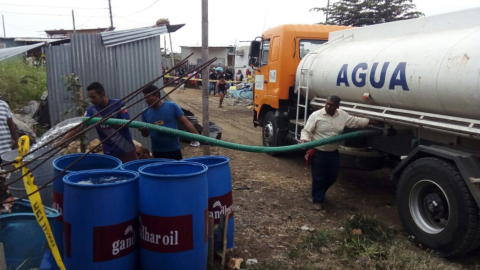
[421, 78]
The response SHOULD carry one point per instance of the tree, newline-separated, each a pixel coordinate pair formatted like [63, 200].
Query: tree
[368, 12]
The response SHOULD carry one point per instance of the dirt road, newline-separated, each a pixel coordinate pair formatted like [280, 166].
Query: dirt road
[272, 194]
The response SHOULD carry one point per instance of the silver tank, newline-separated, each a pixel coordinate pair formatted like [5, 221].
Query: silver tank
[430, 64]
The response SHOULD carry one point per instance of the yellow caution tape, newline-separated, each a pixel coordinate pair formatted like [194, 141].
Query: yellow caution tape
[36, 200]
[192, 79]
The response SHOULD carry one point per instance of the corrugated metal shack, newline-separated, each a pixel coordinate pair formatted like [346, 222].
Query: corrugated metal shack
[132, 59]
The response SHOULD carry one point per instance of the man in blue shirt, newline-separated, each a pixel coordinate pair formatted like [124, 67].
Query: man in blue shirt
[120, 145]
[166, 114]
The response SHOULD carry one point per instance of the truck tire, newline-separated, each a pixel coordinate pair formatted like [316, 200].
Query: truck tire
[437, 209]
[270, 131]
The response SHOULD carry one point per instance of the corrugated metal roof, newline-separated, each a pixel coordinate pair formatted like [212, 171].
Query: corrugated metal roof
[121, 70]
[9, 52]
[47, 40]
[115, 38]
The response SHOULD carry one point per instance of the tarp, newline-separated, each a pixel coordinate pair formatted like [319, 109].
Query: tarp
[10, 52]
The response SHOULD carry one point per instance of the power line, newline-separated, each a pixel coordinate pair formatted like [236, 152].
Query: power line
[129, 20]
[92, 16]
[22, 28]
[45, 6]
[42, 14]
[140, 10]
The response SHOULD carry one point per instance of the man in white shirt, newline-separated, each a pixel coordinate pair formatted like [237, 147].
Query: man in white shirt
[327, 122]
[8, 130]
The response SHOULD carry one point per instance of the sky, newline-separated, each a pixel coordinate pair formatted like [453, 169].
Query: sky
[230, 22]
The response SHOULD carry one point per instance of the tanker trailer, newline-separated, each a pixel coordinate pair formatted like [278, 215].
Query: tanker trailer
[421, 77]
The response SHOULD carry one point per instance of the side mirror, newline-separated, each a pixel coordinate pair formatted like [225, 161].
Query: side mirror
[254, 53]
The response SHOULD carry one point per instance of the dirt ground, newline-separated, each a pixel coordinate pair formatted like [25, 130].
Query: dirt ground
[272, 194]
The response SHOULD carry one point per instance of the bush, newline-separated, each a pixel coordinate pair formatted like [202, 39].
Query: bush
[20, 83]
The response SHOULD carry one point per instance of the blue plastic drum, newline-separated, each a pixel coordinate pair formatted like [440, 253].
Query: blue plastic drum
[134, 165]
[90, 162]
[173, 216]
[101, 220]
[219, 190]
[23, 239]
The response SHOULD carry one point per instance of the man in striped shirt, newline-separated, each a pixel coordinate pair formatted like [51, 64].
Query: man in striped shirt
[8, 130]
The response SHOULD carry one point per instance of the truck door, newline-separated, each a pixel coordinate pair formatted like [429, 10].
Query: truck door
[261, 74]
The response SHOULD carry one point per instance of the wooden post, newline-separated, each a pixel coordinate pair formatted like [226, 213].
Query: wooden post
[205, 76]
[3, 21]
[211, 240]
[171, 49]
[73, 18]
[225, 239]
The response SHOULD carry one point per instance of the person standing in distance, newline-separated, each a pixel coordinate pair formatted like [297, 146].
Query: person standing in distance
[166, 114]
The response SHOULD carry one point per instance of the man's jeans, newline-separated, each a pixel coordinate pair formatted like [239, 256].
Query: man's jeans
[324, 173]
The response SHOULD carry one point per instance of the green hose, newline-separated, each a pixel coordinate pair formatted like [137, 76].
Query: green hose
[235, 146]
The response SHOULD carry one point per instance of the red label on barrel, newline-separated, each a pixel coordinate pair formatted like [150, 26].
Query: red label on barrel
[218, 206]
[166, 234]
[58, 204]
[67, 237]
[114, 241]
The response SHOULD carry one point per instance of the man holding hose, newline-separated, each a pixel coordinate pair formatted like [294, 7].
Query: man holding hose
[120, 145]
[325, 123]
[166, 114]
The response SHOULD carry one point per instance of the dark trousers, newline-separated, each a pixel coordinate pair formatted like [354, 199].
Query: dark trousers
[324, 173]
[177, 155]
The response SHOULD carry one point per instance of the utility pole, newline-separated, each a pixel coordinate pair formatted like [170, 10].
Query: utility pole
[171, 48]
[3, 20]
[111, 19]
[328, 9]
[205, 76]
[73, 18]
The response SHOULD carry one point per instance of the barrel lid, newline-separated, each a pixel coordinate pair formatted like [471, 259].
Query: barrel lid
[50, 212]
[210, 161]
[96, 176]
[175, 169]
[76, 156]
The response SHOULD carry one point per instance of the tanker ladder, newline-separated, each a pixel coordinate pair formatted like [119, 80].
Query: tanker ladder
[304, 72]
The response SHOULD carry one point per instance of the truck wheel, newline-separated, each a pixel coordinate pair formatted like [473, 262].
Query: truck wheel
[269, 131]
[437, 209]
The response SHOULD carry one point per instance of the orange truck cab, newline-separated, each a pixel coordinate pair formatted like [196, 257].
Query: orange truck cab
[275, 58]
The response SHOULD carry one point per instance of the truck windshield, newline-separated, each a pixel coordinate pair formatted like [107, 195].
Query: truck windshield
[308, 45]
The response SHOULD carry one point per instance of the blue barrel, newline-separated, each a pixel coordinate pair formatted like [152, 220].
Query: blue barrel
[173, 216]
[101, 220]
[134, 165]
[219, 190]
[23, 239]
[90, 162]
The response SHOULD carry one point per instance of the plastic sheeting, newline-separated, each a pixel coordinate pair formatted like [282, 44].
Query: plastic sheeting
[10, 52]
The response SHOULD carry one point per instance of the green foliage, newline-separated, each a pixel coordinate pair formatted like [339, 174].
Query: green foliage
[368, 12]
[20, 83]
[78, 104]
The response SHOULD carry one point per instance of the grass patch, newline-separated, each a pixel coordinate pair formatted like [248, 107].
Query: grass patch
[365, 243]
[20, 83]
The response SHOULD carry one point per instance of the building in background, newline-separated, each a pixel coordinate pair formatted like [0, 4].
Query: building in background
[225, 55]
[241, 60]
[62, 33]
